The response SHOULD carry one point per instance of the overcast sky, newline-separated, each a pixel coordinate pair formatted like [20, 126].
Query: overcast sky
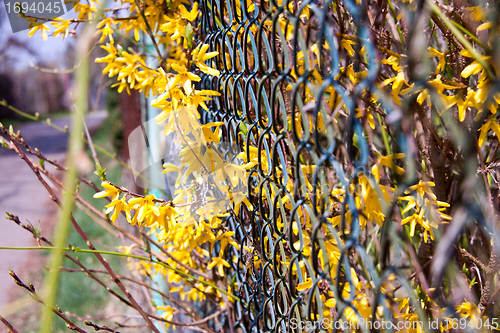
[51, 50]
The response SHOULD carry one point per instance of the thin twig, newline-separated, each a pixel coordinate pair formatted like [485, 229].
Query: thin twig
[103, 261]
[150, 33]
[99, 328]
[31, 289]
[9, 326]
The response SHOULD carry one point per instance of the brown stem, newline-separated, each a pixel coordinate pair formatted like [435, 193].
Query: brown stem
[488, 279]
[188, 312]
[485, 177]
[103, 217]
[99, 328]
[31, 289]
[9, 326]
[54, 198]
[418, 268]
[40, 155]
[177, 261]
[150, 33]
[475, 260]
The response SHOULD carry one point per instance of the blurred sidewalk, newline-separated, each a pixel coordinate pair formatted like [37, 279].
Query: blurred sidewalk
[23, 195]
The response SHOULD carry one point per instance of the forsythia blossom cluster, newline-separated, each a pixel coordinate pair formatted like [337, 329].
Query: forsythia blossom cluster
[193, 227]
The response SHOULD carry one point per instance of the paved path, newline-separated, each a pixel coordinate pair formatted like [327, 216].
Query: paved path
[23, 195]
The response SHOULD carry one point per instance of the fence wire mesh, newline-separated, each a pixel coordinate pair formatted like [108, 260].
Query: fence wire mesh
[298, 82]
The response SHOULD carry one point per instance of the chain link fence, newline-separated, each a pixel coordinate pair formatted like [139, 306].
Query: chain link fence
[300, 80]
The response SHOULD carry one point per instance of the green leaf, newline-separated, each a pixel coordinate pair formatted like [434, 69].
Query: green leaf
[243, 129]
[465, 270]
[100, 171]
[355, 140]
[232, 281]
[73, 248]
[473, 281]
[189, 33]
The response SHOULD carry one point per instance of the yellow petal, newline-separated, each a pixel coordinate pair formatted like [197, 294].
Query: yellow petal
[485, 26]
[472, 69]
[496, 128]
[207, 69]
[331, 303]
[484, 131]
[421, 97]
[169, 167]
[304, 285]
